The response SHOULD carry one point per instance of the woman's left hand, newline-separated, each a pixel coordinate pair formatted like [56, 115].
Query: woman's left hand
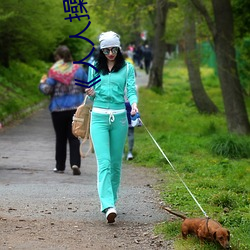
[43, 79]
[134, 109]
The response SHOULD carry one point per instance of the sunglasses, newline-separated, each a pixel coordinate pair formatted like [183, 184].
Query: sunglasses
[106, 51]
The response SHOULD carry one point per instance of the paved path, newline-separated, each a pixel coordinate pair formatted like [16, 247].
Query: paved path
[27, 160]
[31, 191]
[141, 78]
[26, 163]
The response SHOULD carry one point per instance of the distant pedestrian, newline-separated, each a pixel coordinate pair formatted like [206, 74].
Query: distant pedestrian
[109, 123]
[147, 54]
[138, 56]
[130, 133]
[128, 109]
[65, 98]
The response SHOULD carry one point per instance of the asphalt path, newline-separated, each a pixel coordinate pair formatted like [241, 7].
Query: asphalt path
[26, 164]
[31, 190]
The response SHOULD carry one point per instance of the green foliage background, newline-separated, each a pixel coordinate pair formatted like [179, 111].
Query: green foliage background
[29, 33]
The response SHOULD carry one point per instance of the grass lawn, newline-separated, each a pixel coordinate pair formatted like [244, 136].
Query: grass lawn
[214, 164]
[19, 88]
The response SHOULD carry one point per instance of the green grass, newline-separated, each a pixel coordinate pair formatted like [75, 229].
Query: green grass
[214, 164]
[19, 87]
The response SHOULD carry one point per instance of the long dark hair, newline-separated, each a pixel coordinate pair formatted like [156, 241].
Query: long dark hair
[102, 63]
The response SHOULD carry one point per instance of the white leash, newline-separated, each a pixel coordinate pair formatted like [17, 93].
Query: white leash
[174, 169]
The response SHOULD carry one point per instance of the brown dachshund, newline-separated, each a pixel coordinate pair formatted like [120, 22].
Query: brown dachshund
[204, 229]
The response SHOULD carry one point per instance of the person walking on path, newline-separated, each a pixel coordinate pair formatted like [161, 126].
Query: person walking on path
[109, 123]
[131, 131]
[147, 54]
[65, 98]
[128, 109]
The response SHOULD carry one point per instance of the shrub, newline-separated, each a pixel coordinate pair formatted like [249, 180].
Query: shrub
[231, 146]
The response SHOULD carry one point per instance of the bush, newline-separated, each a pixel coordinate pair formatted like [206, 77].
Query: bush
[231, 146]
[19, 88]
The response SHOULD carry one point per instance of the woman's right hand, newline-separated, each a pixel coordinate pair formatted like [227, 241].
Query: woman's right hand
[134, 109]
[90, 92]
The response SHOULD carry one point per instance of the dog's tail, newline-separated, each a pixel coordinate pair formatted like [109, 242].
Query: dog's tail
[175, 213]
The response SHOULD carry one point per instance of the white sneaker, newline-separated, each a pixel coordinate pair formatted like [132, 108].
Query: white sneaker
[58, 171]
[111, 214]
[130, 156]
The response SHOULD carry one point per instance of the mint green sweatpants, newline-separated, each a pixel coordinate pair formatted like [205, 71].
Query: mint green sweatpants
[108, 136]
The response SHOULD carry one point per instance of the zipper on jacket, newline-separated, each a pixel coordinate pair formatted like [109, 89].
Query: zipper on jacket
[109, 90]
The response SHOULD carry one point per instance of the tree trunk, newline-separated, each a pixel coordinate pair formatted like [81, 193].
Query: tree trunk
[235, 109]
[159, 47]
[201, 99]
[4, 51]
[223, 38]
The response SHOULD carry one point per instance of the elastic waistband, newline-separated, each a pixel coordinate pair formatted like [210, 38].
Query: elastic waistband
[108, 111]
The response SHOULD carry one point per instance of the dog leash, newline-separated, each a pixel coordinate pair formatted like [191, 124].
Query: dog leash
[174, 169]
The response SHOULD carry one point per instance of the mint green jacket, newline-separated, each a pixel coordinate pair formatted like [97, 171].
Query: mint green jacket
[109, 92]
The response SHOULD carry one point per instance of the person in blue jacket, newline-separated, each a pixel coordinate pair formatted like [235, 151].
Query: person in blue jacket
[109, 124]
[65, 98]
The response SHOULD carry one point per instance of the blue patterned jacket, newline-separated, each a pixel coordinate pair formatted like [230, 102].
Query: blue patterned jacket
[64, 97]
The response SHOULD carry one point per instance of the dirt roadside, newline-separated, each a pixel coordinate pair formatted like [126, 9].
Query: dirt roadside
[43, 210]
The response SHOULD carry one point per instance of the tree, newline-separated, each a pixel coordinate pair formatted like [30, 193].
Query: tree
[28, 33]
[201, 99]
[130, 20]
[5, 36]
[223, 38]
[156, 72]
[242, 33]
[241, 17]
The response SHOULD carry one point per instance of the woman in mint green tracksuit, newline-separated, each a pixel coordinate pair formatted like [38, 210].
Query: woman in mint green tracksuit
[109, 123]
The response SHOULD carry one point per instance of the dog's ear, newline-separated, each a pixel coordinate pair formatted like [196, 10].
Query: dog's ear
[228, 237]
[214, 235]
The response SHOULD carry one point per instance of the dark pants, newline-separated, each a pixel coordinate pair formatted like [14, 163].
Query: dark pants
[130, 139]
[62, 122]
[147, 65]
